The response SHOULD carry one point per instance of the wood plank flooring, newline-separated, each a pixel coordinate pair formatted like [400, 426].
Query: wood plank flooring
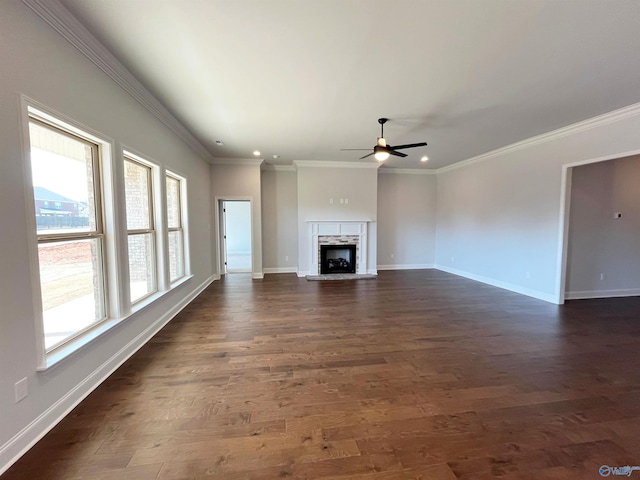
[414, 375]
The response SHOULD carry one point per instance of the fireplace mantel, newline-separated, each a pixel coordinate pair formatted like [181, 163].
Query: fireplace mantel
[318, 228]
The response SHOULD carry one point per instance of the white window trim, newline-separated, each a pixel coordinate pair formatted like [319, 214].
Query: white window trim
[155, 207]
[183, 226]
[33, 109]
[98, 234]
[118, 304]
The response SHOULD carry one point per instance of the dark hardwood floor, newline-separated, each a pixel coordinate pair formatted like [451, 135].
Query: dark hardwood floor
[414, 375]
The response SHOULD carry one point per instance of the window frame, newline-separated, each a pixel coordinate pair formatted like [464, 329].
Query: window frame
[60, 127]
[127, 156]
[114, 248]
[181, 229]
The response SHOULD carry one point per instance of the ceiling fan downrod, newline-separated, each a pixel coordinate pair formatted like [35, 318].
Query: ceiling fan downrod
[382, 121]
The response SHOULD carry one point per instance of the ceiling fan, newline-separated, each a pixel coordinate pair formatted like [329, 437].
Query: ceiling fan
[382, 151]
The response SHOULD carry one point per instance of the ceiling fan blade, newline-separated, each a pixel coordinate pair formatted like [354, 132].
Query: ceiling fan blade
[409, 145]
[366, 156]
[397, 154]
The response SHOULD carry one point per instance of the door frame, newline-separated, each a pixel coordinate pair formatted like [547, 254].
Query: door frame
[219, 253]
[563, 224]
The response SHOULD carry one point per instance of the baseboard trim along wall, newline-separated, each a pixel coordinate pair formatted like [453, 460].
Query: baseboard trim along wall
[406, 266]
[281, 270]
[17, 446]
[547, 297]
[624, 292]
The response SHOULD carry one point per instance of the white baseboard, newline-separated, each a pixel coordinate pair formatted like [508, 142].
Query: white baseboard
[257, 276]
[302, 274]
[20, 443]
[623, 292]
[547, 297]
[281, 270]
[406, 266]
[372, 272]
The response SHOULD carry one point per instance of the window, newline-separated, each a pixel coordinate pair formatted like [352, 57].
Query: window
[65, 171]
[80, 233]
[140, 228]
[175, 226]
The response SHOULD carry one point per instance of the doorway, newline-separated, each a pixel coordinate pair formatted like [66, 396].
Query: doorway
[235, 226]
[584, 270]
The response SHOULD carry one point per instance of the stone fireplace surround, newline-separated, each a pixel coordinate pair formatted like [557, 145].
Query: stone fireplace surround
[335, 233]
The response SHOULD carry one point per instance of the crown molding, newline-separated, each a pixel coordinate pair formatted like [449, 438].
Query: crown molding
[278, 168]
[599, 121]
[408, 171]
[63, 22]
[237, 161]
[321, 164]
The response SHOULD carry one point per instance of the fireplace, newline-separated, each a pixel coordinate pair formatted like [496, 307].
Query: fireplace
[350, 235]
[337, 259]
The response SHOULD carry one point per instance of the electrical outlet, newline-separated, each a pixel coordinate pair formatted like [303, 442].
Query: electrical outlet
[286, 258]
[21, 389]
[331, 201]
[392, 255]
[602, 276]
[346, 201]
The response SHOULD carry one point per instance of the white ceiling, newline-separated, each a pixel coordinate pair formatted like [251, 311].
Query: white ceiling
[302, 79]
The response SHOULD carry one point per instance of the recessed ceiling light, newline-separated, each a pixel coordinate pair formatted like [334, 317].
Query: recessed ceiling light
[256, 152]
[424, 159]
[276, 156]
[219, 143]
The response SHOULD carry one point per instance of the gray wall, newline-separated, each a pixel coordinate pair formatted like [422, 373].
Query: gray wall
[233, 182]
[603, 251]
[39, 63]
[500, 219]
[280, 220]
[406, 219]
[317, 186]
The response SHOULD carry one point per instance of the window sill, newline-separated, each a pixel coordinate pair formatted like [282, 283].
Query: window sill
[57, 356]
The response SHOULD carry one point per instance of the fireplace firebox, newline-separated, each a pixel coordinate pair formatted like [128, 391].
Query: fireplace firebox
[337, 259]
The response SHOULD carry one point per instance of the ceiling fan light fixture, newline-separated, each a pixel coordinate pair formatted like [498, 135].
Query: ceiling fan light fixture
[381, 155]
[424, 159]
[382, 151]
